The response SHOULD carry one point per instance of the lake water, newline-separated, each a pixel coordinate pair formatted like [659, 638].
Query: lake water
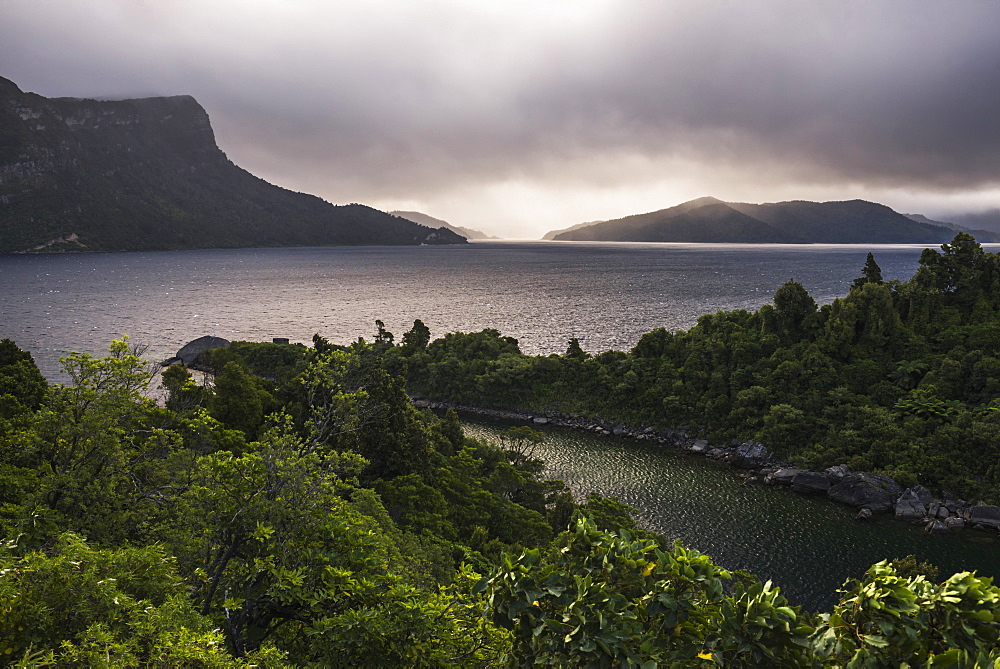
[542, 293]
[806, 544]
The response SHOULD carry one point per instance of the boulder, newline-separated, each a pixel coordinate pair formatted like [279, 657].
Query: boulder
[782, 476]
[540, 420]
[956, 506]
[191, 352]
[954, 523]
[837, 473]
[909, 506]
[810, 482]
[699, 446]
[751, 455]
[862, 489]
[923, 494]
[936, 527]
[985, 515]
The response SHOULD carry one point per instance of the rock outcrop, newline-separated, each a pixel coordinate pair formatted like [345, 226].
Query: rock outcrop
[909, 506]
[811, 482]
[190, 353]
[985, 516]
[865, 490]
[751, 455]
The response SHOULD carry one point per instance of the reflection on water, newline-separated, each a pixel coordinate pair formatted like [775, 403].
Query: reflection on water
[543, 293]
[807, 545]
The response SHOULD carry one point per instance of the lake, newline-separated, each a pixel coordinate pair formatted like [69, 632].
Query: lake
[542, 293]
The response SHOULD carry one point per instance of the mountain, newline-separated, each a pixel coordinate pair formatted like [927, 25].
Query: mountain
[980, 235]
[703, 220]
[988, 220]
[549, 236]
[146, 174]
[430, 221]
[710, 220]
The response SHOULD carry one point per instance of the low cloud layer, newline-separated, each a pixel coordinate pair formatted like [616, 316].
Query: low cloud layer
[518, 119]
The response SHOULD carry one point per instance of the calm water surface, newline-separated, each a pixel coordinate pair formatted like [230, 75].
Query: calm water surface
[807, 545]
[543, 293]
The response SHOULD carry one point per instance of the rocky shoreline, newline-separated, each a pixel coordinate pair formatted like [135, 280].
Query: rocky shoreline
[869, 493]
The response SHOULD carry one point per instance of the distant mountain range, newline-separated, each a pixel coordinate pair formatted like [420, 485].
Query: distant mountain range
[432, 222]
[146, 174]
[709, 220]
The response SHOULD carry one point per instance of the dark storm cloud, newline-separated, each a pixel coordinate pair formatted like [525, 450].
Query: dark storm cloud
[381, 99]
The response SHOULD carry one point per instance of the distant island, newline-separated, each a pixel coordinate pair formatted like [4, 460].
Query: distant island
[432, 222]
[146, 174]
[708, 220]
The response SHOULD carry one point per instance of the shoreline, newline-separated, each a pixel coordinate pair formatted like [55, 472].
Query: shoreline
[870, 493]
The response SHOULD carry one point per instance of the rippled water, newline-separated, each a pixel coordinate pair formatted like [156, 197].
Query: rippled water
[807, 545]
[543, 293]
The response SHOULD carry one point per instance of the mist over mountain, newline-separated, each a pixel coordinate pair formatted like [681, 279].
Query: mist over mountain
[708, 220]
[551, 234]
[146, 174]
[984, 220]
[432, 222]
[981, 234]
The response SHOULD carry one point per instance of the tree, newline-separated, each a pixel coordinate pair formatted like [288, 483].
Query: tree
[870, 273]
[606, 599]
[792, 304]
[79, 606]
[416, 338]
[22, 386]
[383, 337]
[239, 401]
[275, 554]
[183, 394]
[886, 620]
[97, 446]
[574, 351]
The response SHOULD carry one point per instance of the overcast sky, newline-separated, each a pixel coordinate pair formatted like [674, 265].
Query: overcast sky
[521, 117]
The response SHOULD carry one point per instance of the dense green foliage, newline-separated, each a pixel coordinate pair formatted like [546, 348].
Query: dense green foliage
[298, 510]
[901, 378]
[602, 599]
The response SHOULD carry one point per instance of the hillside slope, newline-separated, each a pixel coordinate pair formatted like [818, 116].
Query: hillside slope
[703, 220]
[708, 219]
[146, 174]
[431, 222]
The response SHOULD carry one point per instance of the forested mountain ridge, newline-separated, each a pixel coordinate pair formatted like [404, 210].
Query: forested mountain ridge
[146, 174]
[707, 220]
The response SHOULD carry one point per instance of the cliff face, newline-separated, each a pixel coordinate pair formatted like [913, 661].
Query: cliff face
[146, 174]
